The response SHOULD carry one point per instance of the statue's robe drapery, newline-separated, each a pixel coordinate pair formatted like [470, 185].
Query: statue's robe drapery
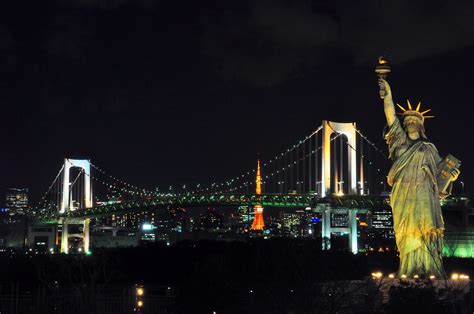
[417, 217]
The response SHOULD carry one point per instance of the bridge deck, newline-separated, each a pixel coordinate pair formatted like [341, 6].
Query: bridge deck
[360, 202]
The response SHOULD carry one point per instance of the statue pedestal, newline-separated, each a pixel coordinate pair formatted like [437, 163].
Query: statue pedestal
[452, 290]
[390, 296]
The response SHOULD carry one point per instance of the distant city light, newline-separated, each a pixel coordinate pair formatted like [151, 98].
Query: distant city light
[147, 227]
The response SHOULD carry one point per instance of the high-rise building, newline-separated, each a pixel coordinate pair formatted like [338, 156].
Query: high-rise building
[132, 220]
[211, 221]
[16, 200]
[382, 221]
[293, 223]
[245, 217]
[180, 220]
[379, 236]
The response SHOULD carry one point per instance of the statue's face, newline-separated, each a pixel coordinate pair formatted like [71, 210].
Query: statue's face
[412, 126]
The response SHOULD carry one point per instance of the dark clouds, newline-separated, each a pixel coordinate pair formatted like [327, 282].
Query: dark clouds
[273, 43]
[280, 40]
[7, 48]
[6, 40]
[263, 42]
[406, 30]
[108, 5]
[183, 85]
[295, 23]
[68, 35]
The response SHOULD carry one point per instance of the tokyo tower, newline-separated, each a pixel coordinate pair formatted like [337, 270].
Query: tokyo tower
[258, 222]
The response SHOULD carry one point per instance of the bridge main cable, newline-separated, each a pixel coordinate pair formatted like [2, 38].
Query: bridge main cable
[270, 162]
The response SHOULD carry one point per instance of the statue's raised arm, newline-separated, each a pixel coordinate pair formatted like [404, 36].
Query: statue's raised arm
[386, 95]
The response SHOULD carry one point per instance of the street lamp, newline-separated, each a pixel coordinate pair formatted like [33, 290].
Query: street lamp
[139, 293]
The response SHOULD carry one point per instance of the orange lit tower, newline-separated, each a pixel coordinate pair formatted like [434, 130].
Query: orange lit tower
[258, 222]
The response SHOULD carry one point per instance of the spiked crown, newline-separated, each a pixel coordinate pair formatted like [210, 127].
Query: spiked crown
[415, 112]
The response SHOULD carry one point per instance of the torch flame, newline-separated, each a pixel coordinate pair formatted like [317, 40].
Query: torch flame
[382, 60]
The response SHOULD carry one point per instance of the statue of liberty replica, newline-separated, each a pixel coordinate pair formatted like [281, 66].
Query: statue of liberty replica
[419, 178]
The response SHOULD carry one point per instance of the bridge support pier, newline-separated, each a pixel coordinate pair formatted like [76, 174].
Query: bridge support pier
[327, 229]
[85, 234]
[86, 237]
[353, 231]
[65, 237]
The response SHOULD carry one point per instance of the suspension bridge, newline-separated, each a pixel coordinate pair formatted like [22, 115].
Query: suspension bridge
[335, 167]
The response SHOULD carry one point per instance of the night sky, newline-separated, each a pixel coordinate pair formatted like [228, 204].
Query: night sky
[173, 92]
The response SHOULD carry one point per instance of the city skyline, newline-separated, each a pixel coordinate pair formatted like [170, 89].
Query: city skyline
[242, 156]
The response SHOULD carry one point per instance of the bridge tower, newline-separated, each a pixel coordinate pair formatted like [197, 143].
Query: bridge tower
[349, 130]
[258, 222]
[67, 203]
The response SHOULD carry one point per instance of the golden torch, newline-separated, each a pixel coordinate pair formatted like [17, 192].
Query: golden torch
[382, 69]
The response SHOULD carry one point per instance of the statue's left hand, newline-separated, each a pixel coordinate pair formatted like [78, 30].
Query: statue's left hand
[443, 194]
[455, 174]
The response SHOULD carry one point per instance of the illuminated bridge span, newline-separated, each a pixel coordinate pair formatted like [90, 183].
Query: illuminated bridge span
[357, 202]
[334, 167]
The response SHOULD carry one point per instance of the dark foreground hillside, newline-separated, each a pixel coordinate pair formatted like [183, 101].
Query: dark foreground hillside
[259, 276]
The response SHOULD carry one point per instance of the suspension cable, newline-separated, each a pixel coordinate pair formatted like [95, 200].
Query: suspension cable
[265, 164]
[290, 166]
[316, 166]
[372, 144]
[51, 185]
[341, 160]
